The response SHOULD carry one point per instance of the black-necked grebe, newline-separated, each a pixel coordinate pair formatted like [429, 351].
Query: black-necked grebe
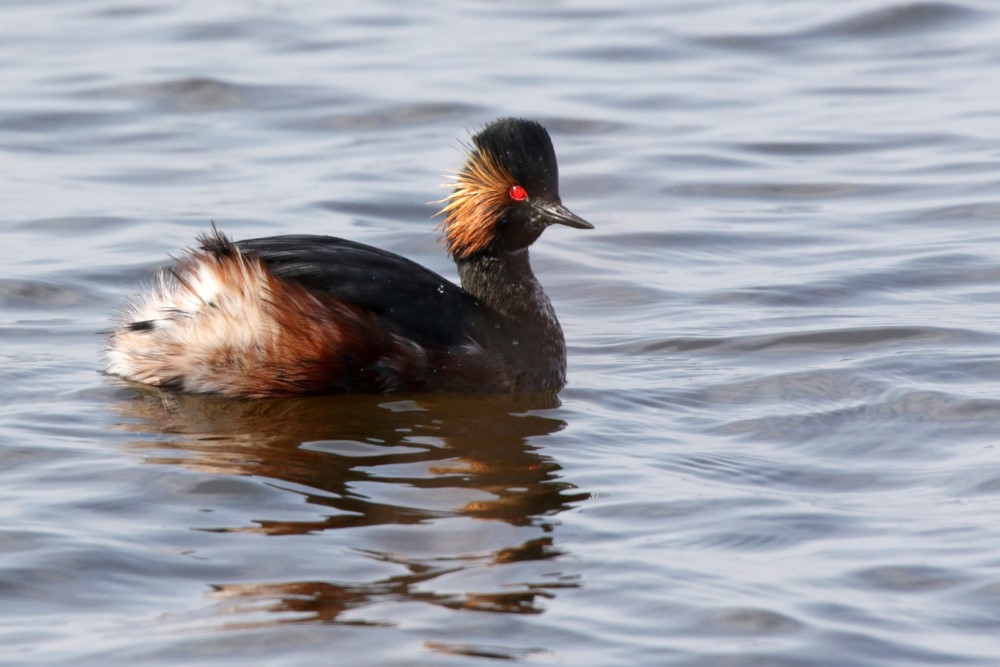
[304, 314]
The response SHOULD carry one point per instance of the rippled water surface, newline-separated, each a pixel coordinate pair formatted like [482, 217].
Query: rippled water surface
[778, 445]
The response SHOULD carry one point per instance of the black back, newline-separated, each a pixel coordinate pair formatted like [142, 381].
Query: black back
[412, 300]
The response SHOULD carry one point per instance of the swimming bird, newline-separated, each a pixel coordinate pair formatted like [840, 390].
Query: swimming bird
[306, 314]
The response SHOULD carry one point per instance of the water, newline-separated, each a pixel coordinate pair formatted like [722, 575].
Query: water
[778, 445]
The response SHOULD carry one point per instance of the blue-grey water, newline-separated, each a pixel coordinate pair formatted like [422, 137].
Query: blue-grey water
[779, 441]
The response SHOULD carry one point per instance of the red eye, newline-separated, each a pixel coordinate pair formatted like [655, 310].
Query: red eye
[517, 193]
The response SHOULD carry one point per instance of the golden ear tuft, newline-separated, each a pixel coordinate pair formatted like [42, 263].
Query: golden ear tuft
[472, 210]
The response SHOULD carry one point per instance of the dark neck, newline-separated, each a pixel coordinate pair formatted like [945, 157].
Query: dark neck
[529, 335]
[505, 283]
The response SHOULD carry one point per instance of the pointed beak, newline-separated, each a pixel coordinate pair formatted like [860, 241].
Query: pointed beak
[557, 213]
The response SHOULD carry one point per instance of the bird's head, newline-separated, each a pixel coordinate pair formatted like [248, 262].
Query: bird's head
[506, 193]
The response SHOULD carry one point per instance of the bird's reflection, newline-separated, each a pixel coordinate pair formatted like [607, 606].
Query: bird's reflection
[310, 601]
[336, 450]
